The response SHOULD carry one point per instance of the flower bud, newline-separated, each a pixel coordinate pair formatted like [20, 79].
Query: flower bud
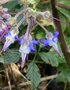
[12, 21]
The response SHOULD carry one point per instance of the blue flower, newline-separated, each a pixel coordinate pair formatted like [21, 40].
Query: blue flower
[26, 46]
[31, 45]
[20, 40]
[56, 33]
[10, 38]
[52, 41]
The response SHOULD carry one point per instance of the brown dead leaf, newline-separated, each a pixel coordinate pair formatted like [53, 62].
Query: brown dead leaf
[16, 71]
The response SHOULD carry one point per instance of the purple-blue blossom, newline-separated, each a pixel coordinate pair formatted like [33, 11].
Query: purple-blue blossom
[31, 45]
[10, 38]
[26, 46]
[52, 41]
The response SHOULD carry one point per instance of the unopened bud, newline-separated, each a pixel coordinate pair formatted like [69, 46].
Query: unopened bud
[12, 21]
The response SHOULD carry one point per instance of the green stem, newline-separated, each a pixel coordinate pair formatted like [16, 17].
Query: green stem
[65, 87]
[36, 54]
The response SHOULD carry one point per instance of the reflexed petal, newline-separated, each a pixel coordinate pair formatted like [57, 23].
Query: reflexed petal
[34, 42]
[32, 49]
[23, 55]
[56, 49]
[20, 40]
[55, 39]
[56, 33]
[46, 42]
[6, 45]
[9, 40]
[31, 45]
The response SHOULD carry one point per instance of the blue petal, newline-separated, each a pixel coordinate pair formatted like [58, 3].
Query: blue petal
[6, 45]
[34, 42]
[46, 42]
[32, 49]
[16, 38]
[55, 39]
[56, 33]
[8, 34]
[20, 40]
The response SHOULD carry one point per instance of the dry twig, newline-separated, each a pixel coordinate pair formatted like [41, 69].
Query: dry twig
[29, 82]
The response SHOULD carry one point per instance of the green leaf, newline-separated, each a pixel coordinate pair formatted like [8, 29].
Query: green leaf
[33, 74]
[11, 5]
[39, 33]
[44, 57]
[66, 2]
[10, 56]
[1, 60]
[65, 12]
[61, 77]
[49, 58]
[64, 76]
[63, 19]
[64, 73]
[61, 60]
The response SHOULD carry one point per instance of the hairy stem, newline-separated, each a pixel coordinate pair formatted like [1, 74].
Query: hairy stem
[61, 36]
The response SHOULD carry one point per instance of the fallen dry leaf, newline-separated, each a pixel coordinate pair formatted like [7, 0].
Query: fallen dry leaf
[16, 71]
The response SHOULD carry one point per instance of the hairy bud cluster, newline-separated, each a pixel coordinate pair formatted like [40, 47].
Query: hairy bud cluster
[4, 22]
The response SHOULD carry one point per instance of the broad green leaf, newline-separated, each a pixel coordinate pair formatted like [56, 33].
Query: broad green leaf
[61, 60]
[39, 33]
[63, 21]
[61, 77]
[66, 2]
[33, 74]
[11, 56]
[65, 12]
[11, 5]
[44, 57]
[64, 73]
[64, 76]
[49, 58]
[1, 60]
[67, 34]
[53, 59]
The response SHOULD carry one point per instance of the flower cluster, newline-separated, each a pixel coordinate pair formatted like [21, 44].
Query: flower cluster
[26, 42]
[26, 46]
[4, 22]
